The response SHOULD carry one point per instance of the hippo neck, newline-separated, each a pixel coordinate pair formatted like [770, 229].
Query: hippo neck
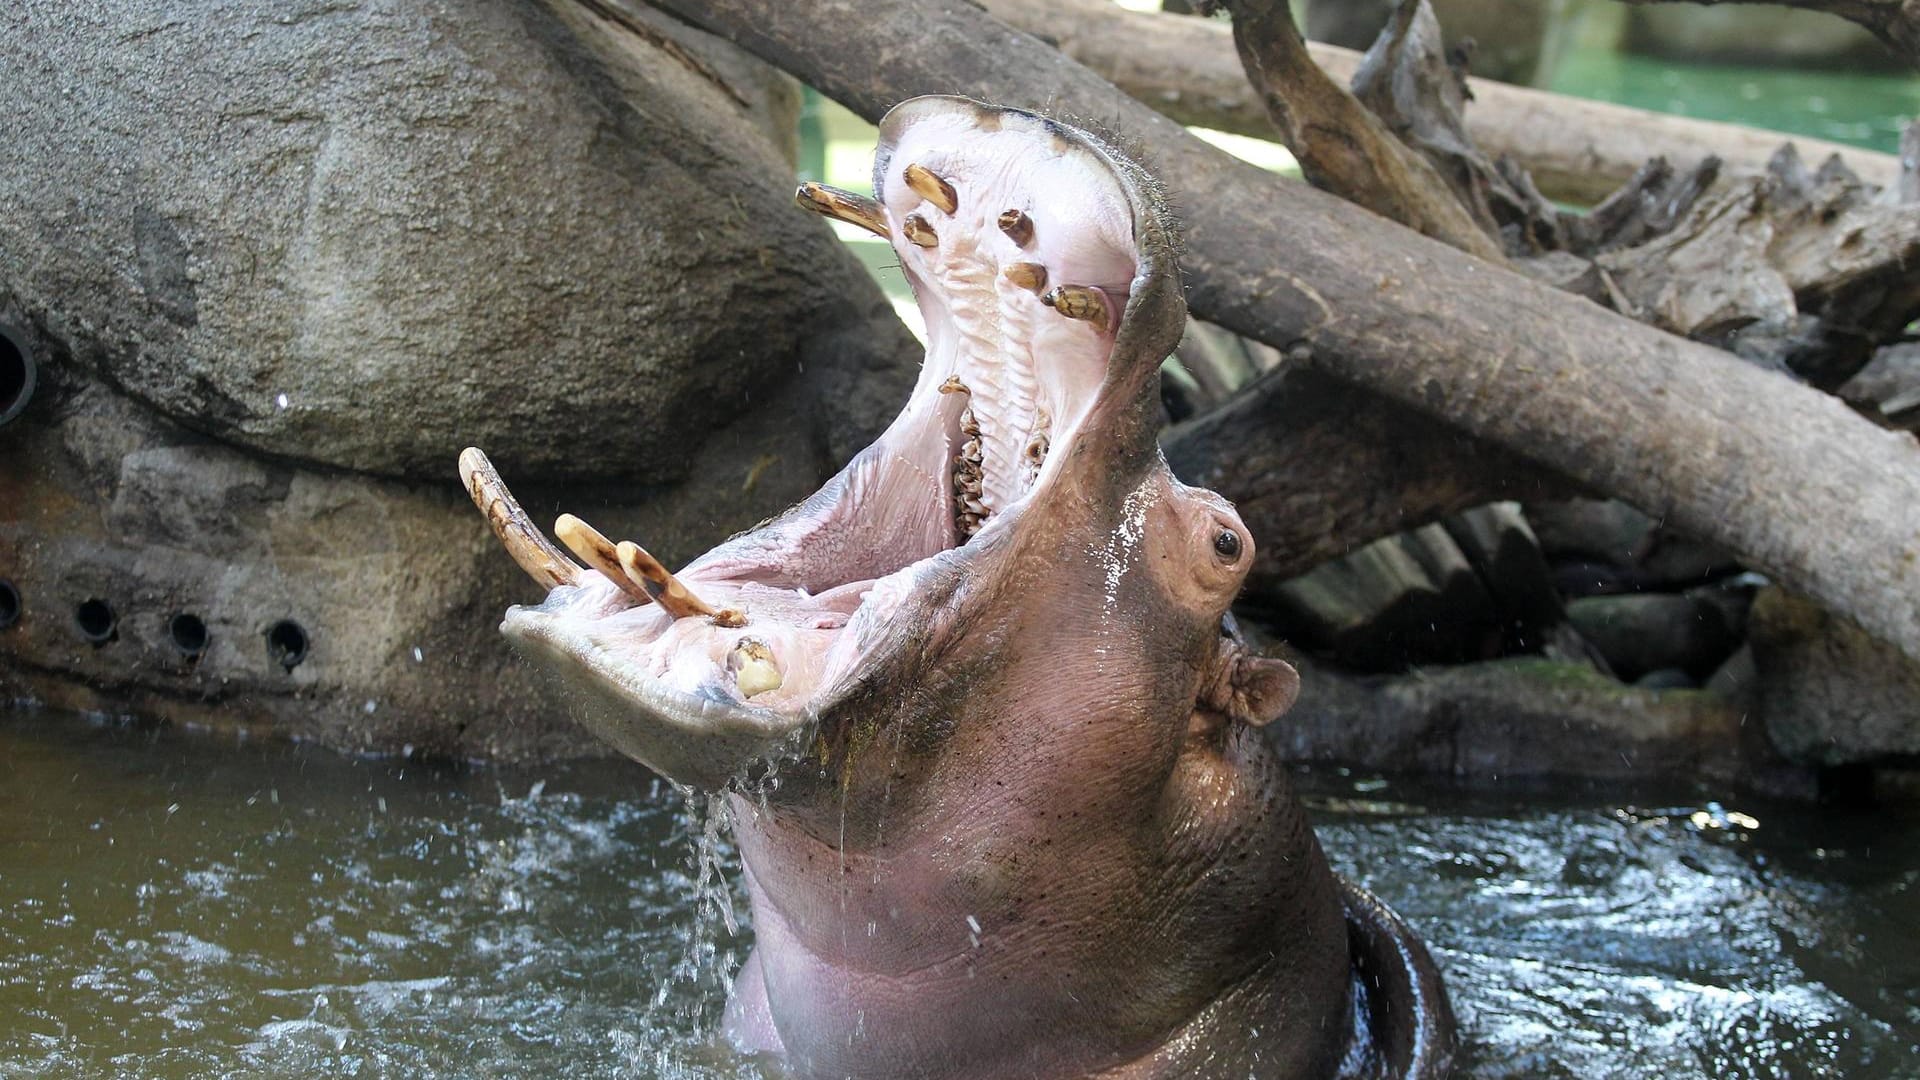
[998, 970]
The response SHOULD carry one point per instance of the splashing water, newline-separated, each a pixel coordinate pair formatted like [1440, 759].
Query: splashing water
[576, 920]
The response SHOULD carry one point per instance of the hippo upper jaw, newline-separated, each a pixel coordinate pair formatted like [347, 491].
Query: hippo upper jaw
[1041, 265]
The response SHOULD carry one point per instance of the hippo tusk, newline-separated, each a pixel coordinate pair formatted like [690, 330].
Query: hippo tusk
[1087, 303]
[598, 552]
[1029, 276]
[529, 547]
[842, 205]
[667, 590]
[931, 188]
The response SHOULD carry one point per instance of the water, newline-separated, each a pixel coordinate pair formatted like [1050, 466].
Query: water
[174, 905]
[1860, 108]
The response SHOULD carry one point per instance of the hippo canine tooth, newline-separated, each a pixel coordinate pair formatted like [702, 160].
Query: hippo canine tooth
[842, 205]
[1083, 302]
[598, 552]
[753, 667]
[668, 591]
[919, 232]
[932, 188]
[1029, 276]
[530, 548]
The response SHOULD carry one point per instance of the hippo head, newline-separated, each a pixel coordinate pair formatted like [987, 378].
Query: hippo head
[1009, 814]
[1017, 510]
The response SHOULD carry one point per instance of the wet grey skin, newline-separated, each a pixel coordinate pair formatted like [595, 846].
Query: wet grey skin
[996, 774]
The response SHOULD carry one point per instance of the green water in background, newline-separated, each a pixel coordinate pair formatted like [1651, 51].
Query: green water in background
[1866, 109]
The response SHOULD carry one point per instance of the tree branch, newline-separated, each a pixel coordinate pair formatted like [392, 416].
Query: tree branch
[1789, 478]
[1895, 22]
[1341, 145]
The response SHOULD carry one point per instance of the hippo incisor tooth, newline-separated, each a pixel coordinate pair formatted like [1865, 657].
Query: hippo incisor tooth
[667, 590]
[842, 205]
[919, 231]
[932, 188]
[1029, 276]
[1082, 302]
[1018, 226]
[529, 548]
[753, 667]
[598, 552]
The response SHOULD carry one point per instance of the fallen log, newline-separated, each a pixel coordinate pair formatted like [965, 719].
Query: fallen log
[1787, 477]
[1578, 151]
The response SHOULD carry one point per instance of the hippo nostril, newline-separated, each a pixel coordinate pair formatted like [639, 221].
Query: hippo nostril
[1227, 543]
[287, 643]
[188, 632]
[96, 621]
[9, 604]
[17, 375]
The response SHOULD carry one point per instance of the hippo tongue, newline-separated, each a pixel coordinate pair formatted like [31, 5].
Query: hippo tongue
[1023, 242]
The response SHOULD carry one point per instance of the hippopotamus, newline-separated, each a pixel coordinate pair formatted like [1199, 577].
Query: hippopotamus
[998, 784]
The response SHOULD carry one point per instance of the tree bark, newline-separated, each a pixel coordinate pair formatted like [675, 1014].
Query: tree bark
[1578, 151]
[1342, 147]
[1896, 22]
[1789, 478]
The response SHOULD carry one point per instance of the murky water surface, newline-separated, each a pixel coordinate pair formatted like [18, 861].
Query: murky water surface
[175, 906]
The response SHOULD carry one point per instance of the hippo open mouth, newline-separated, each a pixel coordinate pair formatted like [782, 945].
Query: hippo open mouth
[1027, 244]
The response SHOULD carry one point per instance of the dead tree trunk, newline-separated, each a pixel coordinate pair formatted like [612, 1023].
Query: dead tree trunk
[1578, 151]
[1786, 476]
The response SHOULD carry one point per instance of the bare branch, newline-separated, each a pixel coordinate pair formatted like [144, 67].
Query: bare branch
[1341, 145]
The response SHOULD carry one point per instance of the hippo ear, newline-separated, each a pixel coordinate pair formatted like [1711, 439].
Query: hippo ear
[1263, 687]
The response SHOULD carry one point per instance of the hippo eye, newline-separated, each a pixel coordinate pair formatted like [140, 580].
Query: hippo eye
[1227, 543]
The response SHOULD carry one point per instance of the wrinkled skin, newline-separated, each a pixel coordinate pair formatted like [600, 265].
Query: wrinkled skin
[1008, 812]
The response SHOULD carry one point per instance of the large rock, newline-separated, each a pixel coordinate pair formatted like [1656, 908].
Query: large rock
[367, 234]
[1827, 693]
[426, 225]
